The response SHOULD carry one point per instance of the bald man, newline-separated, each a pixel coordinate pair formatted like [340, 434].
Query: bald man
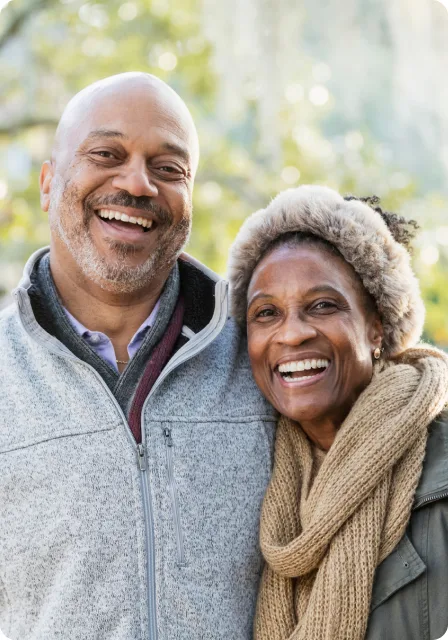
[134, 446]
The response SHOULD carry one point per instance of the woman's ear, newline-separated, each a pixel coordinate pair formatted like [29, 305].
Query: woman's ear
[46, 176]
[376, 332]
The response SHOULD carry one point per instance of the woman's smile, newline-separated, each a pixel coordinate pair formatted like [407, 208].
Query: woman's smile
[302, 372]
[310, 333]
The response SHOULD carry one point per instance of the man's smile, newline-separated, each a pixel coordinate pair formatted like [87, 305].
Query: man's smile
[109, 214]
[127, 227]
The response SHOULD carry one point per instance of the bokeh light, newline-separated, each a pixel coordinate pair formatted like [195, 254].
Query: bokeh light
[167, 61]
[290, 175]
[319, 95]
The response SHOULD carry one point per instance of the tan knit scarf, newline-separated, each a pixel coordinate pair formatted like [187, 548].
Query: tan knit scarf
[323, 543]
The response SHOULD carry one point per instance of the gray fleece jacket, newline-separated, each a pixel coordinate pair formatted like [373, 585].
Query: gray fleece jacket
[101, 539]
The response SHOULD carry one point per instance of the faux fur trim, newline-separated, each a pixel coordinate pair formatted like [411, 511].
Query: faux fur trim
[360, 235]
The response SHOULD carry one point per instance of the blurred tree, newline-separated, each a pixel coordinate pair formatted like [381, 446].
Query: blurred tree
[50, 49]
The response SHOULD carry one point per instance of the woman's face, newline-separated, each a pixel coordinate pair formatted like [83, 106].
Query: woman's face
[311, 333]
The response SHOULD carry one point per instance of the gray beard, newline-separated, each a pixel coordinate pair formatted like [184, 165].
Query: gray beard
[115, 276]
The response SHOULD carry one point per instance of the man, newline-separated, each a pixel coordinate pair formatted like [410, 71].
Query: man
[134, 447]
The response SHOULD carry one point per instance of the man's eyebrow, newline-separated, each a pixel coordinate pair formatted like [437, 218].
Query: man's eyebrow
[177, 149]
[165, 146]
[105, 133]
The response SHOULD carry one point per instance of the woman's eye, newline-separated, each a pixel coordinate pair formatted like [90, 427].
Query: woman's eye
[265, 313]
[324, 305]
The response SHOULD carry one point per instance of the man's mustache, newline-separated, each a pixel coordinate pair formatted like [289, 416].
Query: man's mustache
[125, 199]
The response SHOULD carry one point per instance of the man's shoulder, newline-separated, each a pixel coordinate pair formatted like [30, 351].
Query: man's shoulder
[233, 339]
[12, 342]
[225, 363]
[12, 332]
[9, 318]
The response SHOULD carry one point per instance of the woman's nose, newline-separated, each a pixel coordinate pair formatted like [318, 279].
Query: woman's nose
[136, 180]
[295, 330]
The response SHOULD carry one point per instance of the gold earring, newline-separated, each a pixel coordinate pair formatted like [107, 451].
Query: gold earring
[377, 353]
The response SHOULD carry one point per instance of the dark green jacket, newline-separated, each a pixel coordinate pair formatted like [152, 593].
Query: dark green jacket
[410, 592]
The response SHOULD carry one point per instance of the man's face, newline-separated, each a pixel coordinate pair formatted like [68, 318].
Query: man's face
[119, 189]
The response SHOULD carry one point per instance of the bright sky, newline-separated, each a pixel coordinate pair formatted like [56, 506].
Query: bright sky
[3, 4]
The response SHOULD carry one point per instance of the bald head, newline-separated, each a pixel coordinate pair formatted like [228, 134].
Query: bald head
[124, 90]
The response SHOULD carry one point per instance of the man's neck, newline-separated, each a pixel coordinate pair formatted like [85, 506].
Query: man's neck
[116, 315]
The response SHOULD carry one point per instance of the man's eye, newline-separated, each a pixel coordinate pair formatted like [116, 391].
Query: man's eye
[104, 154]
[168, 169]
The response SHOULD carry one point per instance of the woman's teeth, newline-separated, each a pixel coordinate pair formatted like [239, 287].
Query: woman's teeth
[108, 214]
[303, 365]
[288, 368]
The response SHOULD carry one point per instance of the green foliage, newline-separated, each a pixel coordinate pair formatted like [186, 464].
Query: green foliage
[49, 50]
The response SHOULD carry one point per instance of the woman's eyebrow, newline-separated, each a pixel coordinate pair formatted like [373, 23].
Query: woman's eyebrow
[321, 288]
[260, 295]
[324, 288]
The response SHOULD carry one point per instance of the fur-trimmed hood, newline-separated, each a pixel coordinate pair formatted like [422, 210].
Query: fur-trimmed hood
[360, 235]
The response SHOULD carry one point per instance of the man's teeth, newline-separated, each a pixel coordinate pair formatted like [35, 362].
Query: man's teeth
[303, 365]
[108, 214]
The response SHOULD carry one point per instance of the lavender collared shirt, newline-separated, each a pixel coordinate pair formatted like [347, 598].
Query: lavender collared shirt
[102, 345]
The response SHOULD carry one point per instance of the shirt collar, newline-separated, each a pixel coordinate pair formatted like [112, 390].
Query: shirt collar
[85, 333]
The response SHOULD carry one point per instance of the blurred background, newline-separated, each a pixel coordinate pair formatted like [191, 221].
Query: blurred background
[353, 95]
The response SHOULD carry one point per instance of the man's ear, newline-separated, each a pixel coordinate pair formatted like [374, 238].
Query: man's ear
[46, 176]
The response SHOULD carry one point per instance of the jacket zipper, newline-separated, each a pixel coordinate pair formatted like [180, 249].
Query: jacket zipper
[174, 497]
[150, 545]
[433, 498]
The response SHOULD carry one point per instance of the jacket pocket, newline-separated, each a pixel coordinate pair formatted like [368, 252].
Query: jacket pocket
[400, 568]
[172, 489]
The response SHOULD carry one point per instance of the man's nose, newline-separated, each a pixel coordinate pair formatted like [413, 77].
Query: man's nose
[295, 330]
[136, 180]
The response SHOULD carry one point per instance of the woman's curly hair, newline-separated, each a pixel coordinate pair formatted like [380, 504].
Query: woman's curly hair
[402, 230]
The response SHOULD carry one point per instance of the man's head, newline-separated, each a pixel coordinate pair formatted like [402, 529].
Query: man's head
[118, 187]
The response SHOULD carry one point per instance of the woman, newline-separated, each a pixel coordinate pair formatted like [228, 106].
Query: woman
[354, 534]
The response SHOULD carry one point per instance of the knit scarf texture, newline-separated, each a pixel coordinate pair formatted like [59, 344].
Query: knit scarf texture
[323, 540]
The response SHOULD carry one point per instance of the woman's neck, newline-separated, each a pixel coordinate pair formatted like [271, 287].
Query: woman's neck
[322, 431]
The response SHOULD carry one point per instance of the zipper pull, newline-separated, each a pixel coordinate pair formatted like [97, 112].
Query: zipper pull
[141, 457]
[168, 438]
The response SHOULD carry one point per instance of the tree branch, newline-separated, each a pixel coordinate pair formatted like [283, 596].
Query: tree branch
[18, 19]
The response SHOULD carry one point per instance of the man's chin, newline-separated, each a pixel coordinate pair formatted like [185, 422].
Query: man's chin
[122, 267]
[119, 271]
